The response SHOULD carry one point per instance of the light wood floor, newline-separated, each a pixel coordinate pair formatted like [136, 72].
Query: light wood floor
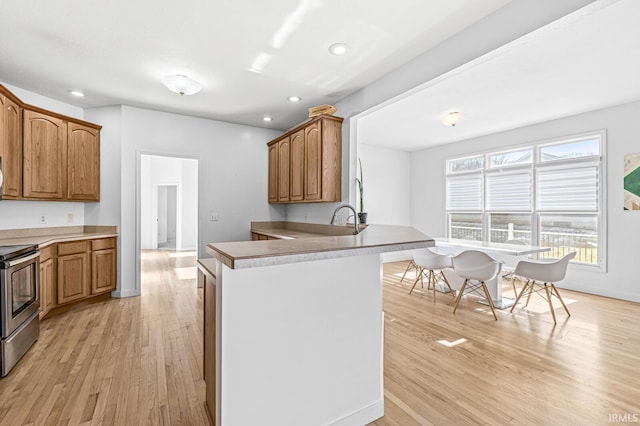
[138, 360]
[122, 362]
[517, 370]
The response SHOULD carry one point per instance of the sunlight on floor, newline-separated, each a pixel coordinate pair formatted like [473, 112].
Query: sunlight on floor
[188, 273]
[183, 254]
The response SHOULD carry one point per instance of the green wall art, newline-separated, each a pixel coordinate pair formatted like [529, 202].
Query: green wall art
[632, 182]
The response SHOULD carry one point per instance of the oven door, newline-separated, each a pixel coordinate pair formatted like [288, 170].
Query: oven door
[18, 291]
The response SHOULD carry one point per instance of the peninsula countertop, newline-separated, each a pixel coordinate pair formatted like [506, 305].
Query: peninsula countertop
[372, 240]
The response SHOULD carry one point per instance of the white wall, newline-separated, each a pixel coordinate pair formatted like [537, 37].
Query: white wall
[387, 181]
[26, 214]
[622, 126]
[189, 205]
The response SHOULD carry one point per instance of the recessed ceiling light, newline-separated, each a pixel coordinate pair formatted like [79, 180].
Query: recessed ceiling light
[294, 98]
[77, 93]
[338, 49]
[267, 118]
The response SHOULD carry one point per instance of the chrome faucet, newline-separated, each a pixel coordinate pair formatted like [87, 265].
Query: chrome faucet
[356, 229]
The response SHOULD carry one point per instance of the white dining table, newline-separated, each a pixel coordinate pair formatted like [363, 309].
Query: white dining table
[498, 251]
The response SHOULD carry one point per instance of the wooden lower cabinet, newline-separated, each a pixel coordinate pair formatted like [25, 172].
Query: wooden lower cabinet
[73, 277]
[103, 265]
[81, 270]
[47, 280]
[256, 236]
[206, 275]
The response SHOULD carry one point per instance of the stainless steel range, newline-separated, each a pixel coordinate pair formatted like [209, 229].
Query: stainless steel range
[19, 303]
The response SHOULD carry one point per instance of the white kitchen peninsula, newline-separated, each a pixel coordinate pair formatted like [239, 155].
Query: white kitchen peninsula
[297, 327]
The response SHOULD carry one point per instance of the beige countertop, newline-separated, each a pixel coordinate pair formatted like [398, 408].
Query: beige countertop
[293, 230]
[372, 240]
[46, 236]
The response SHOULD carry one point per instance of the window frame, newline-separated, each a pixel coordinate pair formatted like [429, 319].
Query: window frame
[537, 164]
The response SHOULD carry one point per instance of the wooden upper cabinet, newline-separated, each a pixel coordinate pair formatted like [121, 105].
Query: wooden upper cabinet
[45, 156]
[309, 166]
[296, 174]
[313, 163]
[83, 156]
[283, 170]
[273, 173]
[11, 148]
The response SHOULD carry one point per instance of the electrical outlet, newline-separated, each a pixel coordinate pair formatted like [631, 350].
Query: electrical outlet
[69, 217]
[213, 217]
[43, 218]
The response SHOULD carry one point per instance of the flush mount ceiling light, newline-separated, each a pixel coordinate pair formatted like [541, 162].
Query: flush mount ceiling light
[338, 49]
[267, 118]
[77, 93]
[294, 98]
[451, 119]
[181, 84]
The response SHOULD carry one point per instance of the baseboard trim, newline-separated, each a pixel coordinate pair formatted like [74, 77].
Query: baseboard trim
[362, 416]
[119, 294]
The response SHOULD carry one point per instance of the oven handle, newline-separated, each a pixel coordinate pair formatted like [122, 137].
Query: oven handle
[21, 260]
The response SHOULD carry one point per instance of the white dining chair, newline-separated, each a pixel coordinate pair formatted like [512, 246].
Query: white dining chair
[431, 264]
[476, 268]
[546, 272]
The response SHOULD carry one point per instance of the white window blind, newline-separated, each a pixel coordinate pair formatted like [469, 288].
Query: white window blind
[570, 189]
[509, 192]
[464, 193]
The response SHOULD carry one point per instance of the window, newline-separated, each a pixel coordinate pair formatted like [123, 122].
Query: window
[465, 164]
[548, 194]
[500, 159]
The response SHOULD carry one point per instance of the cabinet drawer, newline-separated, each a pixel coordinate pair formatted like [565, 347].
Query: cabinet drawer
[73, 247]
[103, 243]
[47, 252]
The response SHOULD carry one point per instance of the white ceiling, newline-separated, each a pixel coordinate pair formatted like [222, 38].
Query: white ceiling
[117, 51]
[585, 61]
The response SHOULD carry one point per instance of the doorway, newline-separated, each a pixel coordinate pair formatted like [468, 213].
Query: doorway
[166, 216]
[168, 203]
[168, 219]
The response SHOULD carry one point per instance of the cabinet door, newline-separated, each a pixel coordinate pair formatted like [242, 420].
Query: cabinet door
[10, 148]
[73, 277]
[45, 154]
[47, 287]
[273, 173]
[283, 170]
[83, 156]
[103, 271]
[313, 162]
[296, 173]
